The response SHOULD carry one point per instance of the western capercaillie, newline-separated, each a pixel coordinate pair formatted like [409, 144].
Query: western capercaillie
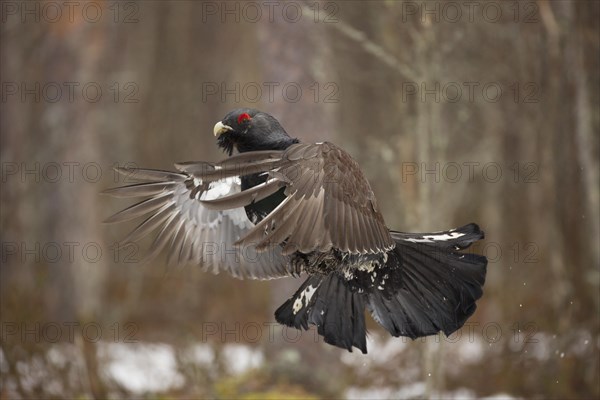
[281, 207]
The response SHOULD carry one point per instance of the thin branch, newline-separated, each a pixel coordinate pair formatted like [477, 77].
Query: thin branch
[367, 45]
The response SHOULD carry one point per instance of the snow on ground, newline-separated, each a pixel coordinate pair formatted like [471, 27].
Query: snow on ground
[153, 368]
[201, 354]
[411, 391]
[141, 367]
[240, 358]
[501, 396]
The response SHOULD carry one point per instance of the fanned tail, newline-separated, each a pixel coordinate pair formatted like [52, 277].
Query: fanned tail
[434, 286]
[328, 303]
[423, 286]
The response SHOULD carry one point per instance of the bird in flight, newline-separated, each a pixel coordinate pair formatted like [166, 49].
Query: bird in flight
[280, 207]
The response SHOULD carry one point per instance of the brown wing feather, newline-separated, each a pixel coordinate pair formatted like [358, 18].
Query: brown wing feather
[329, 200]
[176, 215]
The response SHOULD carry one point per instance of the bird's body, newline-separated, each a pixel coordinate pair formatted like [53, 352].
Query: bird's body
[281, 207]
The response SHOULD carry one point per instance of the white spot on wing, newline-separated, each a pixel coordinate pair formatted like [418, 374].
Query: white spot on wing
[220, 188]
[210, 219]
[452, 235]
[436, 238]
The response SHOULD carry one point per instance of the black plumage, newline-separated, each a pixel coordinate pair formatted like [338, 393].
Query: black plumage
[283, 208]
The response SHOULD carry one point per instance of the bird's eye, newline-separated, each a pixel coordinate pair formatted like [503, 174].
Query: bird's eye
[243, 117]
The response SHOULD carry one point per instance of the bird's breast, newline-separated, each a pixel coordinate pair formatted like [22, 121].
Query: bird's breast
[260, 209]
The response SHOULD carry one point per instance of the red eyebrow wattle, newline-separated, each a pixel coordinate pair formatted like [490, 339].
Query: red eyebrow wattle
[243, 117]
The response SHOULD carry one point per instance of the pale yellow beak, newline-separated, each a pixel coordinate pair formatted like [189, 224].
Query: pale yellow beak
[221, 128]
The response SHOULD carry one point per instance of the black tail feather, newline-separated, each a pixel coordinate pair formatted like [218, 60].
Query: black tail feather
[438, 285]
[328, 303]
[425, 286]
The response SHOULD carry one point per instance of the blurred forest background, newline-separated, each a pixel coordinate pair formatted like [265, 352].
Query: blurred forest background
[457, 112]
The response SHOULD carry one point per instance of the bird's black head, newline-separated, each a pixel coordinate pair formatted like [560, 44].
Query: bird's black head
[246, 129]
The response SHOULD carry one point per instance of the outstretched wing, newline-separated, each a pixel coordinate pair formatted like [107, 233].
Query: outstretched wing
[192, 233]
[329, 202]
